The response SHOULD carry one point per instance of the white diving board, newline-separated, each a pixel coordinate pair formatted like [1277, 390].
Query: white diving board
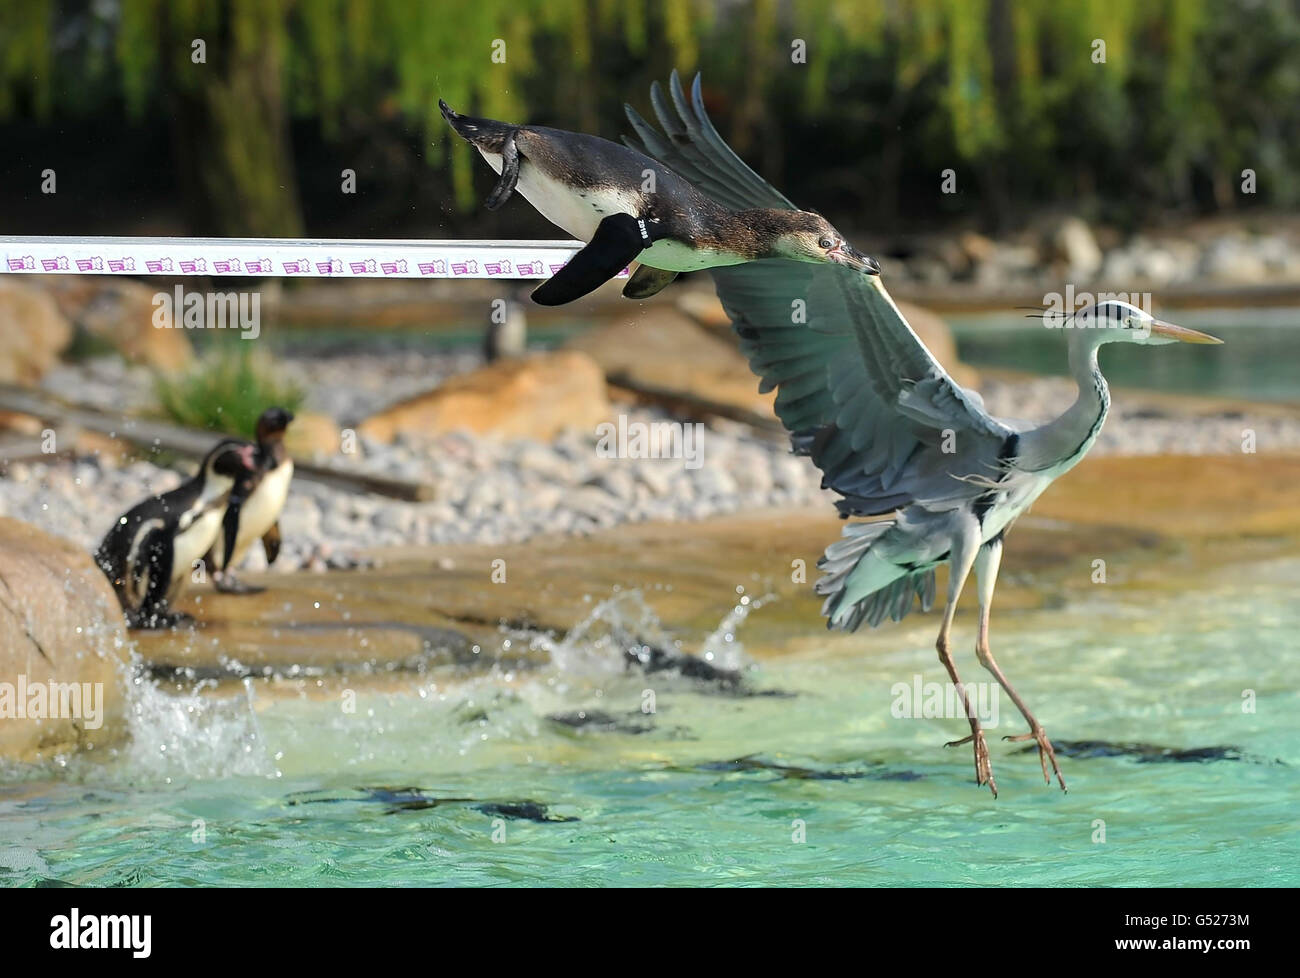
[284, 257]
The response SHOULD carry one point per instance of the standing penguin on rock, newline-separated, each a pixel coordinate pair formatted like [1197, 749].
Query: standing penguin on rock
[627, 207]
[255, 505]
[151, 550]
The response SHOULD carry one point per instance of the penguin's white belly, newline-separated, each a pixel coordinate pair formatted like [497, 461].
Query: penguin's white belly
[260, 510]
[580, 212]
[576, 211]
[192, 543]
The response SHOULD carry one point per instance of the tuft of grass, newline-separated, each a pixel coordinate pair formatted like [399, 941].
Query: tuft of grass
[225, 391]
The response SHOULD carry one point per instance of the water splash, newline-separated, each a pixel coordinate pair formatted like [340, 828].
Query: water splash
[187, 729]
[723, 647]
[191, 732]
[598, 645]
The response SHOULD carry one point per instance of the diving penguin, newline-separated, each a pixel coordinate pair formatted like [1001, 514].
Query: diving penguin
[628, 207]
[150, 551]
[255, 505]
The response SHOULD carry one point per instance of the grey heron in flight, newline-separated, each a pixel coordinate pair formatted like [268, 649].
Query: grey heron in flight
[893, 434]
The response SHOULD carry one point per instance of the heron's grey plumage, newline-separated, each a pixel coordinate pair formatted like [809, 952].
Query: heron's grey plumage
[858, 390]
[893, 434]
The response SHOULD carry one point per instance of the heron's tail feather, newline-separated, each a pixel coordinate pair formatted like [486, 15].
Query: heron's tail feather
[864, 586]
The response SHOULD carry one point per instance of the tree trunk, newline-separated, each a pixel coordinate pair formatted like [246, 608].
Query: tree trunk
[231, 141]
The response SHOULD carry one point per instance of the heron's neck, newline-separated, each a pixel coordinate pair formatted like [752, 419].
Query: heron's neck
[1064, 441]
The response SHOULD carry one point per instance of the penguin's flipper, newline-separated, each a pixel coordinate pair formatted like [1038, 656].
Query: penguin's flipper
[509, 174]
[229, 532]
[619, 238]
[647, 281]
[158, 552]
[271, 542]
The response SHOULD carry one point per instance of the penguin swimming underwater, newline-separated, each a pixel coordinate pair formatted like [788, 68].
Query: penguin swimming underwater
[628, 206]
[255, 505]
[149, 552]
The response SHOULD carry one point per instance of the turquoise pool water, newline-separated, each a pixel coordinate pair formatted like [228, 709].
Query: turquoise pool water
[453, 780]
[1256, 362]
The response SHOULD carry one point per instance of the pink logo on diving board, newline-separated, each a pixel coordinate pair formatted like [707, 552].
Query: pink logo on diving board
[464, 268]
[194, 265]
[299, 266]
[436, 267]
[226, 267]
[556, 268]
[157, 265]
[367, 267]
[497, 267]
[95, 264]
[393, 267]
[333, 266]
[59, 264]
[24, 264]
[121, 264]
[260, 266]
[530, 267]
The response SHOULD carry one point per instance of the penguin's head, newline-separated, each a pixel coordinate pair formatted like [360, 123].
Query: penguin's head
[273, 422]
[230, 459]
[811, 237]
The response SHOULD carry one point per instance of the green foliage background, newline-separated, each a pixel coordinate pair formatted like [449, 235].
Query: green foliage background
[1006, 92]
[226, 390]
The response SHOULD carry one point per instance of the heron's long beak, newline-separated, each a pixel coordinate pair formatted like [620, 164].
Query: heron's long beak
[846, 254]
[1181, 333]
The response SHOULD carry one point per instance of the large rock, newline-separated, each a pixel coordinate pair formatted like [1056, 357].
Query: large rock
[1075, 247]
[1234, 259]
[59, 623]
[662, 350]
[120, 312]
[535, 397]
[313, 436]
[33, 332]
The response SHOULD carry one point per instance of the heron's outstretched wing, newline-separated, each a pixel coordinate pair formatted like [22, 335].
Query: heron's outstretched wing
[693, 150]
[855, 386]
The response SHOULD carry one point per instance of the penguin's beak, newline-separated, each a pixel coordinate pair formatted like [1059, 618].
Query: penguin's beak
[846, 254]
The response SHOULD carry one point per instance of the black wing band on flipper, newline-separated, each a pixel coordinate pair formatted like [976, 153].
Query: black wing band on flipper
[159, 551]
[230, 532]
[647, 281]
[271, 541]
[509, 175]
[618, 240]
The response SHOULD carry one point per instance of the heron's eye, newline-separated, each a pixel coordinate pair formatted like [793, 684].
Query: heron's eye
[826, 241]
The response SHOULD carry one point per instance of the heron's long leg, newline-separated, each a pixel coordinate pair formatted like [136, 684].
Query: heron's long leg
[960, 563]
[986, 573]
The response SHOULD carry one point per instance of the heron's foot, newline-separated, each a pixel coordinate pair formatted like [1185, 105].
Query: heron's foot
[983, 766]
[1045, 753]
